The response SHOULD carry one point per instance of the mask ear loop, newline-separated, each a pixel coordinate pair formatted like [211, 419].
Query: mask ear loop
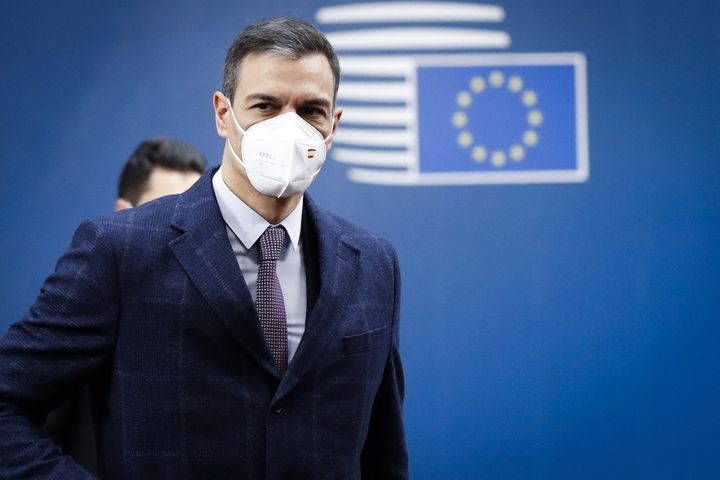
[332, 125]
[237, 124]
[232, 113]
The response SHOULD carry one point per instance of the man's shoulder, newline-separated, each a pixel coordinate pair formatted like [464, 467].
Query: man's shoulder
[150, 220]
[351, 233]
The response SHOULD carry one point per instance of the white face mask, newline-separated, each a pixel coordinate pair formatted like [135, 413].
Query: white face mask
[281, 155]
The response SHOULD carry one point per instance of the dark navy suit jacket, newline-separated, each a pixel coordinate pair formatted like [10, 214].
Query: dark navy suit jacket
[150, 307]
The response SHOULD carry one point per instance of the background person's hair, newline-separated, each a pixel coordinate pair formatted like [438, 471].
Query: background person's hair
[157, 152]
[285, 36]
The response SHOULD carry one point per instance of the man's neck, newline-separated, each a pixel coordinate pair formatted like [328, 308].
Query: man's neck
[272, 209]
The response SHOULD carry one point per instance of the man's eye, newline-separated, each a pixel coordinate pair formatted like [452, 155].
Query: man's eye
[313, 112]
[263, 107]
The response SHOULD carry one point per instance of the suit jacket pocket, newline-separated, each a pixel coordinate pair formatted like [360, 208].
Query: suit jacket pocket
[363, 342]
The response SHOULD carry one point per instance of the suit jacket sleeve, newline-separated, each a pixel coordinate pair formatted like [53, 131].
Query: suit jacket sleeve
[68, 334]
[385, 454]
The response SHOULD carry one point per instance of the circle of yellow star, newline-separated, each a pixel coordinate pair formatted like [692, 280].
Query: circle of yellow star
[517, 152]
[535, 118]
[465, 139]
[515, 84]
[498, 158]
[464, 99]
[479, 153]
[530, 138]
[529, 98]
[477, 84]
[459, 119]
[497, 78]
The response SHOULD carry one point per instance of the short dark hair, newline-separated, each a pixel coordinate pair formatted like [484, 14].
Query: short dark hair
[157, 152]
[285, 36]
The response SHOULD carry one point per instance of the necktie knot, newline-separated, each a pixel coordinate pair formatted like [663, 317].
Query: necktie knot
[271, 243]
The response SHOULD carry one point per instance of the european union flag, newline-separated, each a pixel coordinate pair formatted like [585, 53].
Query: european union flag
[500, 118]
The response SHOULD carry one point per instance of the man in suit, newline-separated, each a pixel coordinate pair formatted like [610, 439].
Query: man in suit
[157, 167]
[173, 310]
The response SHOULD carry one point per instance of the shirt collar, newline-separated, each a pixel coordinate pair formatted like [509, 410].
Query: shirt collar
[245, 222]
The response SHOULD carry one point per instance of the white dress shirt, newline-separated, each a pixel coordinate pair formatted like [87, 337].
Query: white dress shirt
[244, 227]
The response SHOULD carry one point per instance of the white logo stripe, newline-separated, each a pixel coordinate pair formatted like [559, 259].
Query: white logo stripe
[376, 91]
[395, 12]
[375, 138]
[377, 66]
[409, 178]
[389, 116]
[373, 158]
[422, 38]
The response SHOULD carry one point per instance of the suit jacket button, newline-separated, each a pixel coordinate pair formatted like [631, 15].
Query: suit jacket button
[277, 409]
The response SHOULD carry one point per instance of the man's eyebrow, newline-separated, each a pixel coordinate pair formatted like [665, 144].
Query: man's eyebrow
[264, 97]
[317, 102]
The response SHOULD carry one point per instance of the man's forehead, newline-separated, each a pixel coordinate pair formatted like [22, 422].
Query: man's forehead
[260, 72]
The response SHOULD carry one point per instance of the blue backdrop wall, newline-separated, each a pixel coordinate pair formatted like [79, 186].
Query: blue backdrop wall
[550, 330]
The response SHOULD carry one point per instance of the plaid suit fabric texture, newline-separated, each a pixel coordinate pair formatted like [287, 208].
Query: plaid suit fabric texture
[269, 298]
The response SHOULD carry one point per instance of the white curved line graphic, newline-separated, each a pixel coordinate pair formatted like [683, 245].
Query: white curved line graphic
[385, 12]
[374, 138]
[374, 158]
[406, 178]
[377, 66]
[421, 38]
[390, 116]
[375, 91]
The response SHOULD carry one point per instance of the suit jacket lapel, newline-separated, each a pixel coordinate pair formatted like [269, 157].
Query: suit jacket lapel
[338, 262]
[204, 251]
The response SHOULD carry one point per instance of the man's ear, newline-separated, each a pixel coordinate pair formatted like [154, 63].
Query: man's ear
[122, 204]
[336, 121]
[221, 109]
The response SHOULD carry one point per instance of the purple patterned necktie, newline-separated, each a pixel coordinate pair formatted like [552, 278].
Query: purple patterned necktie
[269, 298]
